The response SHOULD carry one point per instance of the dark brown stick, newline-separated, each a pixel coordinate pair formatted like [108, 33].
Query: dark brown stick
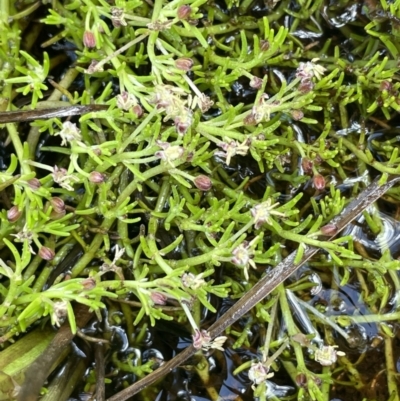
[44, 114]
[100, 369]
[264, 287]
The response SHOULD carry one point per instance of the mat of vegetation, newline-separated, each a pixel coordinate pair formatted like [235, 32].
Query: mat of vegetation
[159, 158]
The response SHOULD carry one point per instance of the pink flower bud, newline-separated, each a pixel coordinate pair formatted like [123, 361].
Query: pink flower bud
[256, 82]
[183, 122]
[13, 214]
[306, 86]
[203, 183]
[329, 229]
[89, 40]
[34, 184]
[307, 165]
[158, 298]
[88, 283]
[46, 253]
[96, 178]
[137, 110]
[319, 181]
[301, 380]
[184, 63]
[385, 86]
[57, 204]
[184, 12]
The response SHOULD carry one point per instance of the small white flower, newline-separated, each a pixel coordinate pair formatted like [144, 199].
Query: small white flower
[310, 69]
[258, 373]
[231, 148]
[189, 280]
[62, 178]
[262, 213]
[118, 17]
[169, 153]
[242, 256]
[327, 355]
[25, 235]
[105, 267]
[202, 340]
[70, 132]
[126, 101]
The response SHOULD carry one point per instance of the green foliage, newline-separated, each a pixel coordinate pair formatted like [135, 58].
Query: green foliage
[229, 141]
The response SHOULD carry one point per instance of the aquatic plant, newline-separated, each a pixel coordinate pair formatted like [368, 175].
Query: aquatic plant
[176, 153]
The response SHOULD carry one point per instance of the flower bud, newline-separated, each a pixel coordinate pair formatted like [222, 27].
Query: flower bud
[385, 86]
[301, 380]
[250, 119]
[183, 122]
[307, 165]
[256, 82]
[88, 283]
[184, 63]
[96, 178]
[89, 40]
[306, 86]
[319, 181]
[329, 229]
[137, 110]
[57, 204]
[203, 183]
[184, 12]
[13, 214]
[46, 253]
[158, 298]
[264, 45]
[34, 184]
[297, 115]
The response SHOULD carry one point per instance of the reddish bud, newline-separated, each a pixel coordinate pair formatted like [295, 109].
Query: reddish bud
[57, 204]
[307, 165]
[301, 380]
[319, 181]
[13, 214]
[183, 122]
[203, 183]
[385, 86]
[306, 86]
[250, 119]
[329, 229]
[88, 283]
[184, 63]
[96, 178]
[137, 110]
[34, 184]
[184, 12]
[89, 40]
[256, 82]
[297, 115]
[158, 298]
[46, 253]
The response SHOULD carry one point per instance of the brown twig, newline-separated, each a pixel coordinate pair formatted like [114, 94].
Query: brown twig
[43, 114]
[100, 369]
[264, 287]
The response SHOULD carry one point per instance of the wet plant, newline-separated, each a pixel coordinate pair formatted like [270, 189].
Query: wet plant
[209, 142]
